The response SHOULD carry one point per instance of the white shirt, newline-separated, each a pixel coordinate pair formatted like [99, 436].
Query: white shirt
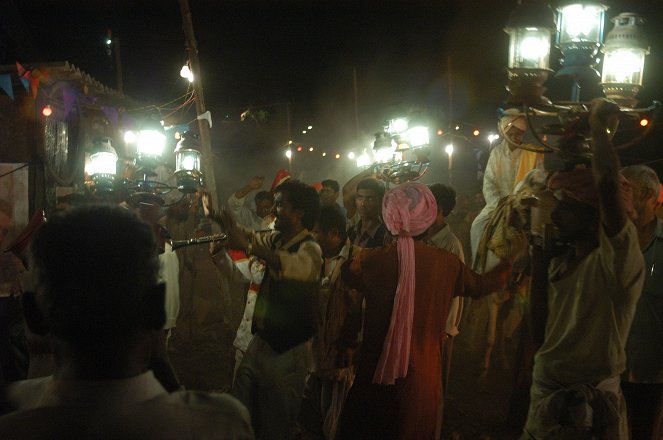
[590, 309]
[246, 215]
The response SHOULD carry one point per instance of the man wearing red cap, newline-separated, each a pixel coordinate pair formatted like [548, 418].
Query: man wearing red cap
[584, 314]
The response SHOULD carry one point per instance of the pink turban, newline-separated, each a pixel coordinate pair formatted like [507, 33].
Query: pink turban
[408, 210]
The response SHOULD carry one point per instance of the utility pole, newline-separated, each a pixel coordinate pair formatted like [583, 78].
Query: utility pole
[203, 126]
[118, 65]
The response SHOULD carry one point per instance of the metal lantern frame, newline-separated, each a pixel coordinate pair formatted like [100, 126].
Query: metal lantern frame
[569, 119]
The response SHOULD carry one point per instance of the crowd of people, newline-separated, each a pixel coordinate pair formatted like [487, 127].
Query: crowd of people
[351, 311]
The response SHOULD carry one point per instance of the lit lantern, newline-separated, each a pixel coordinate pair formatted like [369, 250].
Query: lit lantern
[417, 133]
[102, 167]
[625, 49]
[397, 126]
[530, 30]
[580, 34]
[151, 142]
[187, 164]
[383, 148]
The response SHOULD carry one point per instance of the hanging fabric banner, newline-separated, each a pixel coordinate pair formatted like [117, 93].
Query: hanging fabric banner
[6, 84]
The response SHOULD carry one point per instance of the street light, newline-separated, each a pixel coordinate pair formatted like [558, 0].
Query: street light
[449, 149]
[625, 49]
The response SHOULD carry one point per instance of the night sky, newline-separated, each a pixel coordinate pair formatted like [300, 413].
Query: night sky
[264, 54]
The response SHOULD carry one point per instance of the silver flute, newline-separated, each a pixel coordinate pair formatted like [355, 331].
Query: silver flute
[177, 244]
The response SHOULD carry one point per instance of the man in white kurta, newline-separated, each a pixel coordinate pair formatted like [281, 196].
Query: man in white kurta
[507, 165]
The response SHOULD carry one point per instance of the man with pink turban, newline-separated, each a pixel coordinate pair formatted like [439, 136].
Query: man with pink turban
[408, 287]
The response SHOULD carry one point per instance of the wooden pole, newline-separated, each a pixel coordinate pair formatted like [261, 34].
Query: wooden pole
[203, 126]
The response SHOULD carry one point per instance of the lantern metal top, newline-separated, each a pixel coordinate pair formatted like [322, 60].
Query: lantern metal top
[628, 33]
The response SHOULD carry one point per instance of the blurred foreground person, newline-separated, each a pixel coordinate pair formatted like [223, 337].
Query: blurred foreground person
[581, 321]
[642, 382]
[96, 292]
[408, 287]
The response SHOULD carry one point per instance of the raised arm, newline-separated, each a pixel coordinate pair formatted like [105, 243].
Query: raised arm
[605, 164]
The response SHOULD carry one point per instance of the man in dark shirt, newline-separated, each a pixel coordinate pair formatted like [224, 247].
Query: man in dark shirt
[370, 231]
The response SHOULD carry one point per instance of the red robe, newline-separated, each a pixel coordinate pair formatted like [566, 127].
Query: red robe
[409, 409]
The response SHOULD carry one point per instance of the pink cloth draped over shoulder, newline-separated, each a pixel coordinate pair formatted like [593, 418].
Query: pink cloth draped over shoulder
[407, 210]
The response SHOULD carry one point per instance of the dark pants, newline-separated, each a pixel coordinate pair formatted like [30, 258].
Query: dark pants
[644, 403]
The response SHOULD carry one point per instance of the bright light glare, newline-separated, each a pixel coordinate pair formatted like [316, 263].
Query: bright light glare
[492, 137]
[310, 127]
[303, 131]
[103, 162]
[363, 160]
[397, 125]
[310, 149]
[384, 155]
[324, 154]
[130, 137]
[47, 111]
[579, 22]
[449, 149]
[351, 155]
[288, 153]
[151, 142]
[188, 161]
[338, 156]
[457, 127]
[644, 122]
[109, 41]
[185, 72]
[476, 132]
[624, 66]
[533, 48]
[418, 136]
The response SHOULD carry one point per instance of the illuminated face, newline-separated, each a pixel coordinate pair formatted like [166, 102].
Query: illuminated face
[328, 196]
[368, 204]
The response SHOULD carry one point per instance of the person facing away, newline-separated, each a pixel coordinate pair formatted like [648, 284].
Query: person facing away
[258, 218]
[581, 318]
[271, 376]
[642, 382]
[96, 291]
[408, 287]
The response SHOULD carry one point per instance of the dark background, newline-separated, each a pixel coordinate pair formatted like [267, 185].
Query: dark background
[263, 55]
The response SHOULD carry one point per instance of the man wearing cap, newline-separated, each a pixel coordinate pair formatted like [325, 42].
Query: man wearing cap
[581, 319]
[507, 165]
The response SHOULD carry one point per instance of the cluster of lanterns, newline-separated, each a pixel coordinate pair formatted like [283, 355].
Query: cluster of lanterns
[400, 151]
[150, 145]
[579, 31]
